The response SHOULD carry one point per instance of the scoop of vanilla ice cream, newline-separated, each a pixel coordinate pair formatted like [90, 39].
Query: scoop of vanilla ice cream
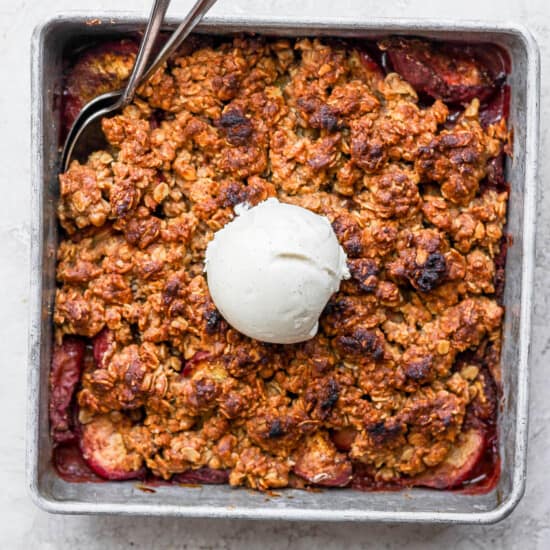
[272, 270]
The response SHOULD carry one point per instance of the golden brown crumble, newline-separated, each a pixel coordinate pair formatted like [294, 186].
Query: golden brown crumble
[384, 383]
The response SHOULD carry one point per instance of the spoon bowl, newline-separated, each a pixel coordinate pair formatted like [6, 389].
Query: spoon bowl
[86, 134]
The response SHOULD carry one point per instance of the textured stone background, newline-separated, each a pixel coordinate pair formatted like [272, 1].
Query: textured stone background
[24, 526]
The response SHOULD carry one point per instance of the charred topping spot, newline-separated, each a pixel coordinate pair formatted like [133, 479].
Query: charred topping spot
[365, 272]
[331, 395]
[333, 306]
[231, 195]
[362, 342]
[325, 118]
[369, 155]
[171, 290]
[213, 320]
[319, 115]
[276, 429]
[349, 236]
[431, 274]
[321, 397]
[382, 432]
[236, 126]
[353, 246]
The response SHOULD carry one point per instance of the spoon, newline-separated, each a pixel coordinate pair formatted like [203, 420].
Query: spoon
[85, 134]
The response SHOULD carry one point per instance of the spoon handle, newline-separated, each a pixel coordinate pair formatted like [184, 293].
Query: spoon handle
[150, 36]
[196, 13]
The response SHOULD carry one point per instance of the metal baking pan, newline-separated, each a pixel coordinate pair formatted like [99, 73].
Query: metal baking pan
[416, 505]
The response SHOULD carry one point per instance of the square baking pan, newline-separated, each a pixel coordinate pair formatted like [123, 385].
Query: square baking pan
[415, 505]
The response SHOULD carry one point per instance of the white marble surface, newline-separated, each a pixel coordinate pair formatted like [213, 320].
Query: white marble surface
[24, 526]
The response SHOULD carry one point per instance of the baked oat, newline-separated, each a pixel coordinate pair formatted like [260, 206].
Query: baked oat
[399, 387]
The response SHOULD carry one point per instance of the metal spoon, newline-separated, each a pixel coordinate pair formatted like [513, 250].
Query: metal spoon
[85, 134]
